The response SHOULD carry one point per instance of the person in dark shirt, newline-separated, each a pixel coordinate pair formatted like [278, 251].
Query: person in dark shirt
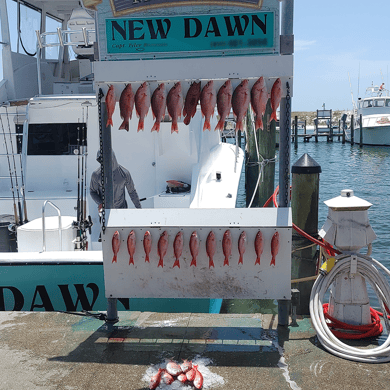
[121, 179]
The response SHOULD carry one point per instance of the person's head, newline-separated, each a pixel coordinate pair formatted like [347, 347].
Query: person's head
[99, 159]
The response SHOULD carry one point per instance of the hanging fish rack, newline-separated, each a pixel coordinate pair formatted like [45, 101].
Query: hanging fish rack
[229, 279]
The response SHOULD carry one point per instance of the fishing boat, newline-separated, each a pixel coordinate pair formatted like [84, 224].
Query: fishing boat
[50, 128]
[372, 117]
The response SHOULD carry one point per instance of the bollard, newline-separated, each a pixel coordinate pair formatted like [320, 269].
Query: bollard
[304, 204]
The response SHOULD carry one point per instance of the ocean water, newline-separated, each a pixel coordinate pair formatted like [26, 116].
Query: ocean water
[364, 170]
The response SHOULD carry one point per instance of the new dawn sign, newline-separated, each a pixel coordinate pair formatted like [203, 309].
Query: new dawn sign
[162, 29]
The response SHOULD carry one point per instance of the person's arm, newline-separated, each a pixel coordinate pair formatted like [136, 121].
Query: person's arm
[132, 191]
[94, 189]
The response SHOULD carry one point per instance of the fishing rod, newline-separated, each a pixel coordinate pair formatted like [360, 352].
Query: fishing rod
[10, 173]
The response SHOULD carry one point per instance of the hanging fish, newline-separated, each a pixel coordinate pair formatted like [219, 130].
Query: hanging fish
[173, 368]
[224, 103]
[207, 103]
[240, 103]
[126, 105]
[147, 245]
[194, 247]
[198, 380]
[131, 246]
[259, 98]
[178, 249]
[241, 247]
[156, 379]
[116, 243]
[276, 96]
[258, 246]
[110, 105]
[227, 246]
[191, 101]
[175, 105]
[186, 365]
[274, 247]
[162, 247]
[158, 103]
[142, 103]
[211, 246]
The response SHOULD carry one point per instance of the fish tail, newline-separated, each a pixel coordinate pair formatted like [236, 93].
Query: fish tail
[193, 262]
[114, 259]
[140, 124]
[241, 260]
[220, 125]
[211, 263]
[176, 263]
[174, 127]
[273, 116]
[124, 125]
[156, 126]
[226, 262]
[147, 259]
[239, 126]
[131, 261]
[259, 122]
[207, 125]
[257, 260]
[109, 122]
[273, 261]
[160, 263]
[187, 119]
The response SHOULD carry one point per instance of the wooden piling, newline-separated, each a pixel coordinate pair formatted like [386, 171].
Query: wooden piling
[352, 131]
[296, 132]
[304, 205]
[343, 140]
[316, 123]
[361, 130]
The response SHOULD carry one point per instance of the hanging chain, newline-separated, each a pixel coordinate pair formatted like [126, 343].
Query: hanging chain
[286, 189]
[103, 219]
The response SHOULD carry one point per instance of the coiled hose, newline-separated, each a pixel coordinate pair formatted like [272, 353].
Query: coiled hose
[368, 268]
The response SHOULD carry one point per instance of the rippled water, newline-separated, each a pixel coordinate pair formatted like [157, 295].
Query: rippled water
[365, 170]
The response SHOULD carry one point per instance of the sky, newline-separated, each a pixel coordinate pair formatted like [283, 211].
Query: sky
[334, 38]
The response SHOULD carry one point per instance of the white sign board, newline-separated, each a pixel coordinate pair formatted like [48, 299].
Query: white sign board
[242, 281]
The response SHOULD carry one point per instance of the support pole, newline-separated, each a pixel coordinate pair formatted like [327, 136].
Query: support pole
[352, 131]
[112, 311]
[304, 204]
[361, 130]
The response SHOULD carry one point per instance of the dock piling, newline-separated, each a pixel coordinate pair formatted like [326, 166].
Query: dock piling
[361, 130]
[352, 131]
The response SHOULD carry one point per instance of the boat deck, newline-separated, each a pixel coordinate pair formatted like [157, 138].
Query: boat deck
[240, 351]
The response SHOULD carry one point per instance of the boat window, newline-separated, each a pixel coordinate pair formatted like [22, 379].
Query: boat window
[56, 139]
[387, 104]
[379, 103]
[367, 103]
[51, 26]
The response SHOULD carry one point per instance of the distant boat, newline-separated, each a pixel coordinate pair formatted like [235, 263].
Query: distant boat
[375, 111]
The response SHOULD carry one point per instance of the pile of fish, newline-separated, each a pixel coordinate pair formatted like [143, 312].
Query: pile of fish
[173, 102]
[194, 245]
[184, 373]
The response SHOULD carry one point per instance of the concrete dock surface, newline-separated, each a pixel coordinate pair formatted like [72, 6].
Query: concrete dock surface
[235, 351]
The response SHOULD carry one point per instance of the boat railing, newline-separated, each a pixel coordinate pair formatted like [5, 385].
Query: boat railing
[46, 202]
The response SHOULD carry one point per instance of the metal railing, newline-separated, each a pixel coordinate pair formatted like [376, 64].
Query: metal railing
[44, 227]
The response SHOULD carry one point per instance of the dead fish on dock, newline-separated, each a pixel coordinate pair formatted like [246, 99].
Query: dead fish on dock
[162, 247]
[158, 103]
[227, 246]
[110, 105]
[259, 98]
[126, 105]
[240, 103]
[173, 368]
[276, 96]
[142, 104]
[156, 379]
[116, 243]
[274, 247]
[175, 105]
[147, 245]
[224, 103]
[207, 103]
[198, 380]
[178, 249]
[194, 248]
[190, 102]
[131, 246]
